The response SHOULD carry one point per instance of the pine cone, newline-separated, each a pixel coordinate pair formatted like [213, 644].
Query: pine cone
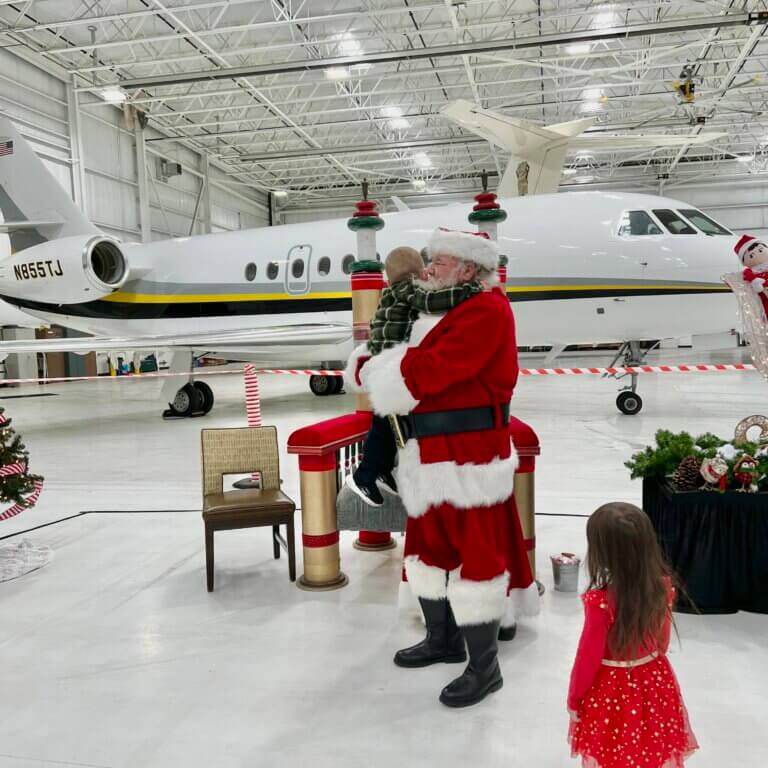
[687, 476]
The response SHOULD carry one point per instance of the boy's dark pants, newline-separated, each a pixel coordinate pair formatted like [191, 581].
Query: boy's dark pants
[379, 451]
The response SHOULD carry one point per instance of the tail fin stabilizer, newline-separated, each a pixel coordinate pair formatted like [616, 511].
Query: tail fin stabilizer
[34, 208]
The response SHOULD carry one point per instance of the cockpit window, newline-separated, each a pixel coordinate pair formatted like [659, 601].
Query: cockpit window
[673, 222]
[704, 223]
[637, 223]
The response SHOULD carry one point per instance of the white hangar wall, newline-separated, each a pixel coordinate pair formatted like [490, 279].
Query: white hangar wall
[39, 103]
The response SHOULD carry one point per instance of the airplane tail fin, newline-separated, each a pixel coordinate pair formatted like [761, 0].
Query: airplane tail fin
[537, 152]
[34, 208]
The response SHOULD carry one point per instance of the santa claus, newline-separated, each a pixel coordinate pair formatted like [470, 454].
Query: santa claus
[447, 393]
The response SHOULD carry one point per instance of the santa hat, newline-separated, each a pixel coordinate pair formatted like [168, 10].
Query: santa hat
[744, 244]
[476, 247]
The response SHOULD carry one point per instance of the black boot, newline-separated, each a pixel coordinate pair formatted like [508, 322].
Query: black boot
[482, 675]
[508, 632]
[443, 643]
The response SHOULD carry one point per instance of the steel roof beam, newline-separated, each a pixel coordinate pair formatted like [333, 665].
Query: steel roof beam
[442, 51]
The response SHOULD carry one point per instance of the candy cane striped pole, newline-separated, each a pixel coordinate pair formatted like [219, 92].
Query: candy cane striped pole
[252, 405]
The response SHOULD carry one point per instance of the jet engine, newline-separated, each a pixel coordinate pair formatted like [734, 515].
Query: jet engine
[71, 270]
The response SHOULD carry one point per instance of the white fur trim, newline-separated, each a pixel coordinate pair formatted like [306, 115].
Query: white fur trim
[426, 581]
[384, 383]
[351, 367]
[477, 602]
[463, 485]
[422, 325]
[521, 603]
[466, 246]
[757, 284]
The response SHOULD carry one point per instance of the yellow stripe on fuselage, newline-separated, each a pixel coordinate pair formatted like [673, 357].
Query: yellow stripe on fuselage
[186, 298]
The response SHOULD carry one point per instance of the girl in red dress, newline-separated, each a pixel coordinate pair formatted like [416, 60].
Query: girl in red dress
[624, 700]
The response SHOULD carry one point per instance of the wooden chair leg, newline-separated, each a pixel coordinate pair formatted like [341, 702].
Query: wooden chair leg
[291, 551]
[275, 542]
[209, 557]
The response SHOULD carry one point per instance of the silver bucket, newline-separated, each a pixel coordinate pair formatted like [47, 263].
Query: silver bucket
[565, 570]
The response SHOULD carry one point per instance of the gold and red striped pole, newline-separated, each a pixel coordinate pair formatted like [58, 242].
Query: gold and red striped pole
[367, 285]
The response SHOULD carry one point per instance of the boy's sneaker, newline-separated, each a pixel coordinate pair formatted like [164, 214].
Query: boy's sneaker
[370, 494]
[386, 483]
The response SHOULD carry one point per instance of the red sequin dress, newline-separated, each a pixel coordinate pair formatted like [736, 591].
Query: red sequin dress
[629, 716]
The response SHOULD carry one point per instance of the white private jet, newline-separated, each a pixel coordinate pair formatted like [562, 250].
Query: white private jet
[591, 267]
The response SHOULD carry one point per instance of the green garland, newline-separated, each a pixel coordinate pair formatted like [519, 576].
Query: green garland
[671, 448]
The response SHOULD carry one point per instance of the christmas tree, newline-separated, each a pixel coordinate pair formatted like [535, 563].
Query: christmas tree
[17, 486]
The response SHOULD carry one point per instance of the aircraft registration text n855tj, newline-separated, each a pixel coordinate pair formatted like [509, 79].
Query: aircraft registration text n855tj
[35, 270]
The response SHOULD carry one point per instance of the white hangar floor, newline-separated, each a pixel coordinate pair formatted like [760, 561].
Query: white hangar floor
[115, 656]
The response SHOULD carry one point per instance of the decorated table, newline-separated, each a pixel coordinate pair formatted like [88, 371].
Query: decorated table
[708, 501]
[716, 542]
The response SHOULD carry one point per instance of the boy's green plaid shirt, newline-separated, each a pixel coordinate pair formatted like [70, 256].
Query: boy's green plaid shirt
[400, 305]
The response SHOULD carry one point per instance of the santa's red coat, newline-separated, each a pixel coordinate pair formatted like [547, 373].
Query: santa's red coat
[464, 359]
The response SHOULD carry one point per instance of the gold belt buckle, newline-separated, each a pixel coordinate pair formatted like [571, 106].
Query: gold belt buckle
[396, 431]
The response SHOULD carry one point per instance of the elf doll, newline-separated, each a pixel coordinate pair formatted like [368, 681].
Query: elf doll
[753, 255]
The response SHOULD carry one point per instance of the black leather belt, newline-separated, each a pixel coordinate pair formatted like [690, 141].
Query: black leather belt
[447, 422]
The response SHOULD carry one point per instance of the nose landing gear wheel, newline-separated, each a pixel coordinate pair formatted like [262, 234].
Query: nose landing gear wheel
[629, 403]
[188, 400]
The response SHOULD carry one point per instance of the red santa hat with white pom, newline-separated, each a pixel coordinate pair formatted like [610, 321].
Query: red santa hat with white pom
[476, 247]
[744, 244]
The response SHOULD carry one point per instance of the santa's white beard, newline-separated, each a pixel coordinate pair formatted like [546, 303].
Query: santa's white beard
[438, 283]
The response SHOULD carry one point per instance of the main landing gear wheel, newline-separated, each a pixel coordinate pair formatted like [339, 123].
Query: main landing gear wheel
[629, 403]
[323, 385]
[207, 394]
[338, 384]
[188, 400]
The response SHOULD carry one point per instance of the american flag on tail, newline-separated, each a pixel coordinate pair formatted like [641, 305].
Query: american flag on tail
[6, 147]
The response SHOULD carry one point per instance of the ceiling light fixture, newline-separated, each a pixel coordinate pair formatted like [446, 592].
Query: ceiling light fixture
[399, 124]
[578, 49]
[422, 160]
[281, 194]
[391, 112]
[591, 106]
[745, 158]
[584, 179]
[419, 185]
[606, 18]
[592, 94]
[337, 73]
[569, 171]
[349, 46]
[114, 94]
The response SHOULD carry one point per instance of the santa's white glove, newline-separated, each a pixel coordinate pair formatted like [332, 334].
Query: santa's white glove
[758, 284]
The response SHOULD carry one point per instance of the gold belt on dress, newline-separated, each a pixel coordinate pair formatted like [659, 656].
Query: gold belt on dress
[632, 662]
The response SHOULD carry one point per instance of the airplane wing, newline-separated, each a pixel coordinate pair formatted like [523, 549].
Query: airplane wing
[219, 341]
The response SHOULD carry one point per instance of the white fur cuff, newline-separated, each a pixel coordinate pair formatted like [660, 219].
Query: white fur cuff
[463, 485]
[521, 603]
[758, 284]
[426, 581]
[384, 383]
[477, 602]
[351, 368]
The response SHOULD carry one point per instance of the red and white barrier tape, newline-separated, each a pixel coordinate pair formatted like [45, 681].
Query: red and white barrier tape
[201, 372]
[252, 396]
[624, 369]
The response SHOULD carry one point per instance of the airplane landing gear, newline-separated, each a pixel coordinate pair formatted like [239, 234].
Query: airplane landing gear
[193, 399]
[629, 402]
[326, 385]
[631, 354]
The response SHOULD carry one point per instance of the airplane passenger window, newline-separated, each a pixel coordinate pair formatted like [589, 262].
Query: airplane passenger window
[272, 270]
[637, 223]
[297, 268]
[346, 264]
[673, 222]
[704, 223]
[324, 266]
[250, 272]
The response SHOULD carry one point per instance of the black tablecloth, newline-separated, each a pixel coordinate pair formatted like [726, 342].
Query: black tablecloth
[716, 542]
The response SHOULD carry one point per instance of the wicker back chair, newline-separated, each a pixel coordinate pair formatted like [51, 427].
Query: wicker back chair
[241, 451]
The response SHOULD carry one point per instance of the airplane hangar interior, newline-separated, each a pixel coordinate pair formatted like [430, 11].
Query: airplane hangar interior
[278, 489]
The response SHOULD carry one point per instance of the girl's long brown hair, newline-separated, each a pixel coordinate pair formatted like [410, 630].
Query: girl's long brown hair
[624, 557]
